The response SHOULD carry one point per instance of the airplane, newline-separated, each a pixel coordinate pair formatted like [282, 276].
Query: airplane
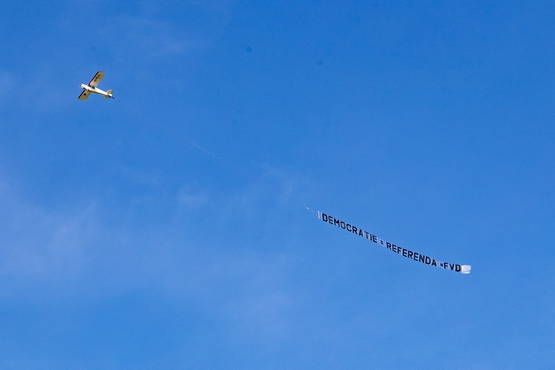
[92, 88]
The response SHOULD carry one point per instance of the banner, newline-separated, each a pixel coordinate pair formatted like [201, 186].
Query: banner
[415, 256]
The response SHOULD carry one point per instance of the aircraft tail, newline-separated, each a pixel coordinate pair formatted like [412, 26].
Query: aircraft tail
[109, 94]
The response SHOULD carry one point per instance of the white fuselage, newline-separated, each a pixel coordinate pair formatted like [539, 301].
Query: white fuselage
[96, 90]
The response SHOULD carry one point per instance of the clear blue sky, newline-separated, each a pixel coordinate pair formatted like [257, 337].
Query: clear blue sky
[166, 229]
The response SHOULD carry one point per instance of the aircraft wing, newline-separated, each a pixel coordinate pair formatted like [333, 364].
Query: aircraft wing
[96, 79]
[84, 95]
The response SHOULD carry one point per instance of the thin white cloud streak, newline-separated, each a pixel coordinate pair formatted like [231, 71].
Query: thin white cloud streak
[41, 244]
[7, 82]
[188, 197]
[74, 251]
[131, 36]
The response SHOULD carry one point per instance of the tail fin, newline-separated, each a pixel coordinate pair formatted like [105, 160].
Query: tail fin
[109, 94]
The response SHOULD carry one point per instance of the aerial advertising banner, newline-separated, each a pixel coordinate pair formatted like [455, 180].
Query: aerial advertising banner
[415, 256]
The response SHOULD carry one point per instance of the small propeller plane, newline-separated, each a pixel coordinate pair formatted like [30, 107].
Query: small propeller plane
[92, 88]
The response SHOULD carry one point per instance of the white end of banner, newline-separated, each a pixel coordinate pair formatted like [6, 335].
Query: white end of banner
[465, 269]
